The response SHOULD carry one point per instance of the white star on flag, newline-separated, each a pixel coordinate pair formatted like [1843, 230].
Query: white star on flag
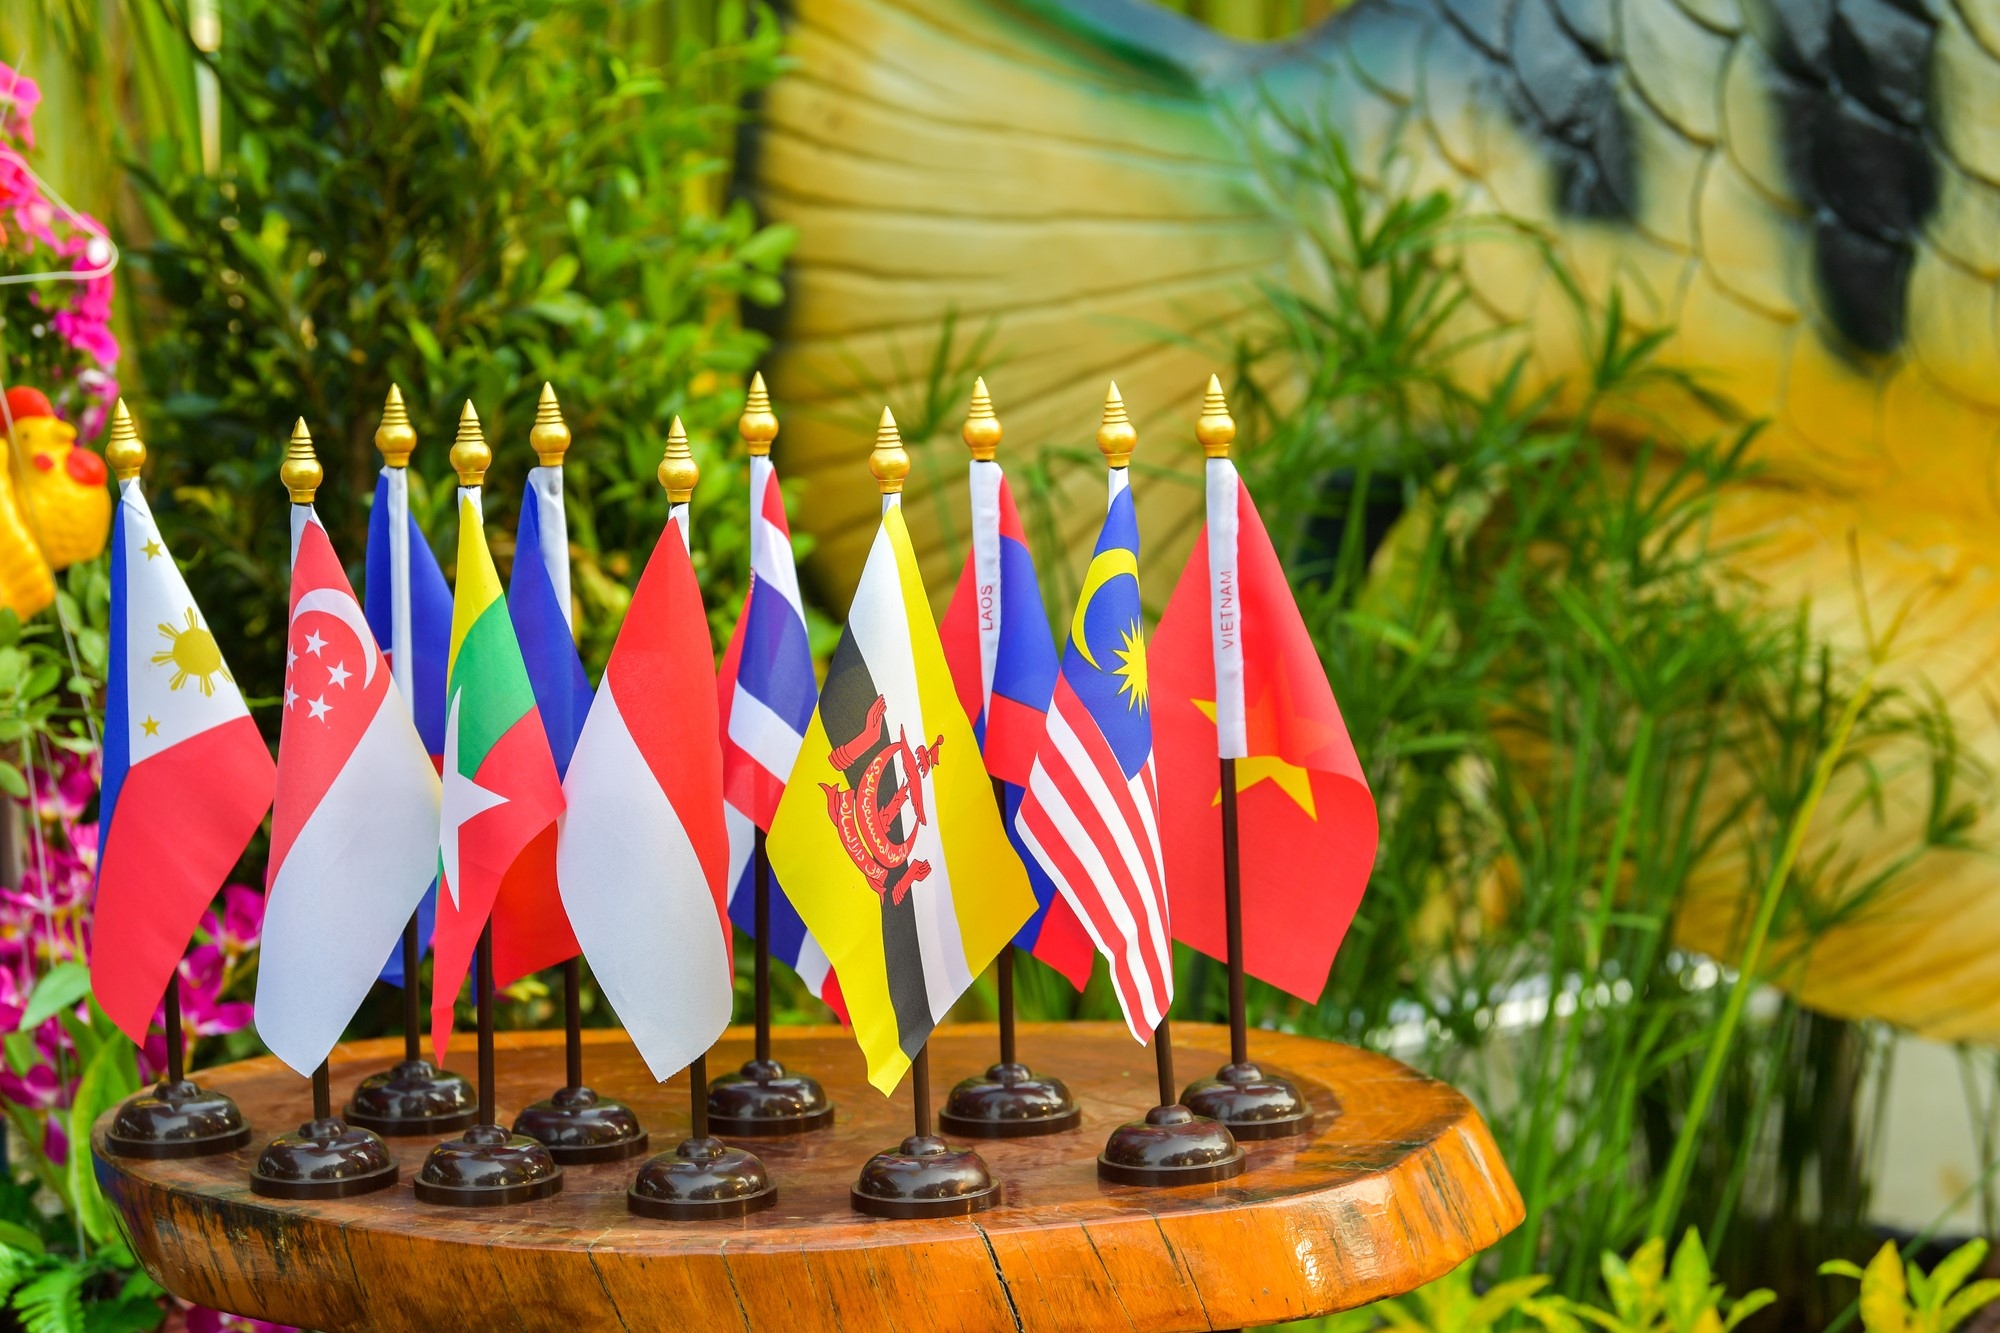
[337, 674]
[464, 799]
[320, 708]
[291, 695]
[314, 642]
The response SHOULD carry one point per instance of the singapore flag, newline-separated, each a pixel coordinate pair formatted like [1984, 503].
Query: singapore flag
[354, 831]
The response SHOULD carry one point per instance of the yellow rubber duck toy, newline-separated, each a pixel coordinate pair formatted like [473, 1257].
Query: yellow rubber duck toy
[55, 510]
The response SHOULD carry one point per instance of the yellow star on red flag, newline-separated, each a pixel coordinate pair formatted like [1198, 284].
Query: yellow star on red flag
[1294, 781]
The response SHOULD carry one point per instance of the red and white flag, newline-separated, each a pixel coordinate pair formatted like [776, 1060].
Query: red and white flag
[1235, 676]
[643, 855]
[354, 834]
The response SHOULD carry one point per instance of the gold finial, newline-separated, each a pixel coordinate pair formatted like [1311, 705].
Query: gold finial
[125, 451]
[301, 471]
[470, 456]
[550, 435]
[758, 425]
[395, 437]
[982, 428]
[1116, 439]
[890, 462]
[1216, 428]
[677, 470]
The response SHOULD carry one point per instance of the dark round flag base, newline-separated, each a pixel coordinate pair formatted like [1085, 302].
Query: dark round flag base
[415, 1099]
[177, 1120]
[487, 1167]
[1009, 1103]
[926, 1177]
[1252, 1103]
[763, 1101]
[579, 1127]
[1171, 1146]
[701, 1180]
[326, 1159]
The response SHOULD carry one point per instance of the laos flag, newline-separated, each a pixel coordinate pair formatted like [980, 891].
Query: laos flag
[408, 606]
[187, 777]
[1003, 665]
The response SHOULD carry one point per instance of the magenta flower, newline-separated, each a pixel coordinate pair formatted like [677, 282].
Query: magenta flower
[19, 96]
[200, 1320]
[239, 923]
[38, 1089]
[55, 1141]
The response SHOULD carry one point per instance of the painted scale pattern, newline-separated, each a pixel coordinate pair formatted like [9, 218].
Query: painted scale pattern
[1806, 192]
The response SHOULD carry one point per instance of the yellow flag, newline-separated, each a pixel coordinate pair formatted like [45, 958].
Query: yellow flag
[887, 839]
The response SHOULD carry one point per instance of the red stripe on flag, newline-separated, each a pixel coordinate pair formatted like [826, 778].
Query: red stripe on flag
[959, 632]
[182, 819]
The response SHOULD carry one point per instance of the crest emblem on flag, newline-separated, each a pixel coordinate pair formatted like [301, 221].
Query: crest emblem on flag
[868, 822]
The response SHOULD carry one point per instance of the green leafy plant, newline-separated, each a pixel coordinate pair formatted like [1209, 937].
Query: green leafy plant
[1649, 1296]
[1452, 1304]
[1899, 1297]
[53, 1293]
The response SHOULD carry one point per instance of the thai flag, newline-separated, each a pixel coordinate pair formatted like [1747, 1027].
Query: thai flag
[766, 692]
[408, 607]
[187, 777]
[1091, 813]
[1003, 663]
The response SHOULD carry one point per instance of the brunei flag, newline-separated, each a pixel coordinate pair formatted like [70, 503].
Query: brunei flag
[887, 840]
[500, 784]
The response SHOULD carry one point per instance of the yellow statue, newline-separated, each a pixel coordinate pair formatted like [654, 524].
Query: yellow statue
[55, 510]
[1806, 195]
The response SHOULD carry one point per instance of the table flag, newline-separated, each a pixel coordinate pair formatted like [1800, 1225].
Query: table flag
[408, 605]
[766, 690]
[187, 778]
[500, 784]
[644, 850]
[1003, 663]
[530, 929]
[354, 832]
[1091, 814]
[1238, 678]
[886, 838]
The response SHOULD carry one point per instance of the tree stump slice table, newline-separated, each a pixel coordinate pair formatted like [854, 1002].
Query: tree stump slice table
[1399, 1188]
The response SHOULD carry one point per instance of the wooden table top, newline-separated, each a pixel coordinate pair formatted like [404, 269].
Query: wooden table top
[1398, 1189]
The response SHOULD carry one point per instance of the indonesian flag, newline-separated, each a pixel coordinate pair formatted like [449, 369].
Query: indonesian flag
[187, 779]
[1235, 676]
[643, 858]
[354, 835]
[501, 792]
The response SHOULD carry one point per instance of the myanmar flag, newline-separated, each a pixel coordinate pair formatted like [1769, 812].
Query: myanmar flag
[500, 785]
[887, 840]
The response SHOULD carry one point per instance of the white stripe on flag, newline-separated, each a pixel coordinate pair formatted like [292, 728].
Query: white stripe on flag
[742, 842]
[880, 623]
[812, 965]
[985, 483]
[546, 485]
[345, 888]
[770, 549]
[637, 897]
[402, 657]
[762, 734]
[1225, 610]
[1120, 481]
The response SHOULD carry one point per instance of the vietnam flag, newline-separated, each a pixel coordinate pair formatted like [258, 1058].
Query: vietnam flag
[1235, 676]
[500, 785]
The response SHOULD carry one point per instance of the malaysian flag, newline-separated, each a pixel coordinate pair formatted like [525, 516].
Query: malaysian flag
[1091, 813]
[767, 693]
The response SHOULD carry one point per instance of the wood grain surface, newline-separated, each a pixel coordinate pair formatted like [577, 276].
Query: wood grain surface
[1399, 1188]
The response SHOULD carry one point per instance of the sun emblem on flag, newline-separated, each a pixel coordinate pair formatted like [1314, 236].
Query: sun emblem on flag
[192, 652]
[1131, 668]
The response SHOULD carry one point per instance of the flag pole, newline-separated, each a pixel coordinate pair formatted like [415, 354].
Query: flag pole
[413, 1097]
[1009, 1100]
[575, 1124]
[325, 1158]
[1254, 1103]
[703, 1178]
[486, 1165]
[763, 1099]
[155, 1123]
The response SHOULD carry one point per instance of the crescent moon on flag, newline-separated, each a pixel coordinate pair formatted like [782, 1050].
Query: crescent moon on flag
[342, 607]
[1104, 567]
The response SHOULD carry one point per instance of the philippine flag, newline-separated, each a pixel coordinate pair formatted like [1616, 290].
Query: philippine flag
[767, 693]
[643, 850]
[1003, 664]
[408, 605]
[187, 778]
[354, 836]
